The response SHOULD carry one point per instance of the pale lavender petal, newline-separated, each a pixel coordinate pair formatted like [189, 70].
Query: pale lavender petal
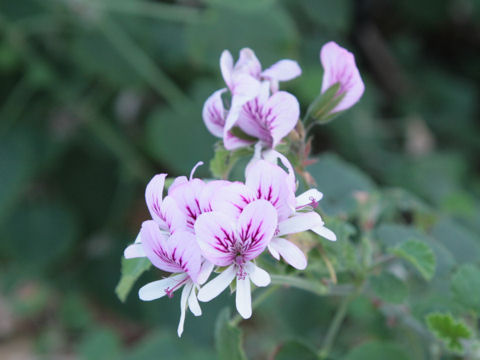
[193, 303]
[243, 298]
[177, 182]
[216, 237]
[215, 286]
[172, 216]
[187, 197]
[299, 222]
[226, 66]
[259, 277]
[232, 199]
[282, 111]
[177, 253]
[290, 253]
[156, 289]
[339, 67]
[183, 307]
[248, 63]
[325, 232]
[208, 193]
[308, 198]
[154, 196]
[283, 70]
[205, 271]
[273, 157]
[272, 183]
[244, 89]
[256, 226]
[273, 251]
[213, 113]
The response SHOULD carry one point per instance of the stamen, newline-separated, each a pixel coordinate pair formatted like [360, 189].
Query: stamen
[200, 163]
[169, 291]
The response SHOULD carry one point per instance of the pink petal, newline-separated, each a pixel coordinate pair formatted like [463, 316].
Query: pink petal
[208, 193]
[226, 66]
[134, 251]
[177, 253]
[215, 287]
[213, 113]
[282, 113]
[177, 182]
[256, 225]
[154, 196]
[273, 157]
[216, 237]
[232, 199]
[283, 70]
[272, 183]
[243, 297]
[290, 252]
[300, 222]
[205, 271]
[339, 66]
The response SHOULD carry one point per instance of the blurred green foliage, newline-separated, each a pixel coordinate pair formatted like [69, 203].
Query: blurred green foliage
[97, 96]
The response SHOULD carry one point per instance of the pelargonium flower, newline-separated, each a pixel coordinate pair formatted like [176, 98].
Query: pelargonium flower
[232, 241]
[270, 182]
[177, 253]
[339, 67]
[268, 118]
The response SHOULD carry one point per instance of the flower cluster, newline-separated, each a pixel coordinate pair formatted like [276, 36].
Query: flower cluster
[201, 225]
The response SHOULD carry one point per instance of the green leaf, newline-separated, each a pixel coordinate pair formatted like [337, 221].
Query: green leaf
[228, 338]
[419, 254]
[376, 350]
[297, 350]
[389, 288]
[131, 271]
[448, 329]
[339, 181]
[465, 287]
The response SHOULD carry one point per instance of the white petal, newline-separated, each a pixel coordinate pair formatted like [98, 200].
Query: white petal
[258, 276]
[134, 251]
[183, 307]
[309, 196]
[326, 233]
[213, 288]
[290, 253]
[273, 252]
[156, 289]
[300, 222]
[193, 303]
[205, 272]
[243, 298]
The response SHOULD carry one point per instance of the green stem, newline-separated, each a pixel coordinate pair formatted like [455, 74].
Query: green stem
[144, 65]
[258, 300]
[335, 326]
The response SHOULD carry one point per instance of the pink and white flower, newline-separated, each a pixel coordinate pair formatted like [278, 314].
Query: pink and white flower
[268, 118]
[339, 67]
[179, 254]
[268, 181]
[234, 241]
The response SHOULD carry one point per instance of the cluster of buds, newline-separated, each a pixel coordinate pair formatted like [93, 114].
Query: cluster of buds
[202, 225]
